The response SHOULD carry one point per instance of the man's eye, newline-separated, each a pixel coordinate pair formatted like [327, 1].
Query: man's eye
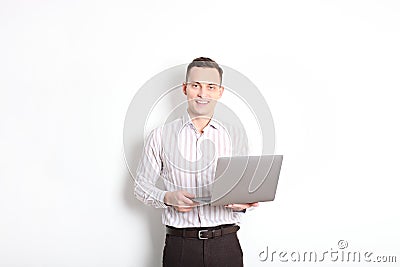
[195, 85]
[211, 87]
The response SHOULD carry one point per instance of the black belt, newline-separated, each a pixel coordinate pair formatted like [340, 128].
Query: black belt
[203, 233]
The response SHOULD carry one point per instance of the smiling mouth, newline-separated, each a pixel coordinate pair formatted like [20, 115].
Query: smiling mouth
[202, 101]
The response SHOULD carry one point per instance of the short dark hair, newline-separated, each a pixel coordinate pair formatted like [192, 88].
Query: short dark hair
[204, 62]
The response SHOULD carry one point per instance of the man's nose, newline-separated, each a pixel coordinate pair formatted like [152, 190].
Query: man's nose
[202, 91]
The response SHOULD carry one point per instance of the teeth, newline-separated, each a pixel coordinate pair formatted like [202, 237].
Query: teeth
[202, 102]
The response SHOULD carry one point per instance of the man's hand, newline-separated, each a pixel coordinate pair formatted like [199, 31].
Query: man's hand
[240, 207]
[180, 200]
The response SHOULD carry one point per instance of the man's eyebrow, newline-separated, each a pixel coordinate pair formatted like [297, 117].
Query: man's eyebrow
[209, 83]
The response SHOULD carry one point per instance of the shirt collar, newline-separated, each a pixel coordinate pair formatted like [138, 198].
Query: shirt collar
[186, 120]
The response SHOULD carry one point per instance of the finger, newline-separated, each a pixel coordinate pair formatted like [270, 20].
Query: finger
[233, 206]
[237, 206]
[196, 204]
[184, 205]
[187, 201]
[188, 195]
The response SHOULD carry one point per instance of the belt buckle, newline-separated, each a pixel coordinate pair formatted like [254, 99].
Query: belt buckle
[199, 234]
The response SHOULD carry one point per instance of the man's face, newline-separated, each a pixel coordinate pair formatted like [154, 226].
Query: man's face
[202, 90]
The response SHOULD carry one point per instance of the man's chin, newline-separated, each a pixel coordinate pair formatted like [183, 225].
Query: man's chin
[202, 114]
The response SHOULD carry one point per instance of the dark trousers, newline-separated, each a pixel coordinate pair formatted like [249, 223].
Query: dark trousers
[192, 252]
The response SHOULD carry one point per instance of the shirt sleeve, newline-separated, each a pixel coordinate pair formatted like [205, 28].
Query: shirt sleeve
[149, 172]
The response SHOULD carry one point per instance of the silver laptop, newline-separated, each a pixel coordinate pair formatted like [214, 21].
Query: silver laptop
[244, 179]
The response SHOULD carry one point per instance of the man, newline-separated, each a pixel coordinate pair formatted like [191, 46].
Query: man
[183, 154]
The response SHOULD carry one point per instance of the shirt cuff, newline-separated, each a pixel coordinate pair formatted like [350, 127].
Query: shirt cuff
[160, 200]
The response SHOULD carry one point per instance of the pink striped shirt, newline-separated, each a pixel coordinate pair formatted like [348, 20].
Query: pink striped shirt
[177, 157]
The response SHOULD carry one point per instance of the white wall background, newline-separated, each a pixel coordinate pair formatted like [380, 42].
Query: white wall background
[329, 71]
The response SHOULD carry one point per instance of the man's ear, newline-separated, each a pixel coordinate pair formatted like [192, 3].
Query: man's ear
[184, 88]
[221, 91]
